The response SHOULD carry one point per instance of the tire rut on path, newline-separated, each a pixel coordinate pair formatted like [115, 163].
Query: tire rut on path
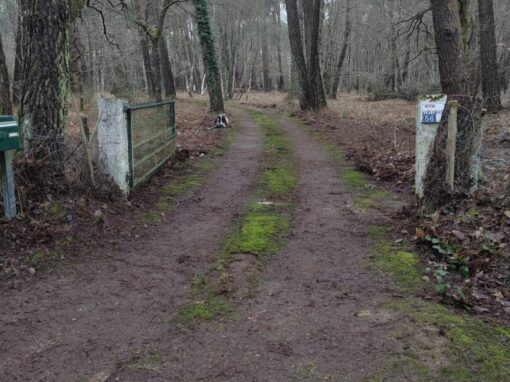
[85, 319]
[315, 315]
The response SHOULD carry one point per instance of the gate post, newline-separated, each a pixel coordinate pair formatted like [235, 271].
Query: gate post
[113, 140]
[7, 185]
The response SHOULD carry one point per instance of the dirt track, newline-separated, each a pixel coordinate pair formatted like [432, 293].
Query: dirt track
[314, 315]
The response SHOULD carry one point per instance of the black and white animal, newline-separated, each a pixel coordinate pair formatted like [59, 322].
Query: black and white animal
[220, 122]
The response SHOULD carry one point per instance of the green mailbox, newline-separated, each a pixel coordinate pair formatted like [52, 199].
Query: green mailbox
[10, 140]
[9, 136]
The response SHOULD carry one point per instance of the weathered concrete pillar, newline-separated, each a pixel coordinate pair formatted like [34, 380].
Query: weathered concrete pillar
[429, 114]
[113, 140]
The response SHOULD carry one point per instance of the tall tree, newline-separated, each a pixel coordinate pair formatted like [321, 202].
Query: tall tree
[209, 56]
[454, 82]
[5, 91]
[310, 82]
[166, 65]
[488, 56]
[154, 33]
[278, 27]
[147, 63]
[312, 14]
[18, 63]
[45, 85]
[265, 49]
[343, 52]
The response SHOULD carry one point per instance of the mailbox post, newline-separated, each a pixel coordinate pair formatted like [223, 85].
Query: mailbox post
[9, 142]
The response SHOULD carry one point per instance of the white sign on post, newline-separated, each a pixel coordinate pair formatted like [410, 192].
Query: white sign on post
[430, 112]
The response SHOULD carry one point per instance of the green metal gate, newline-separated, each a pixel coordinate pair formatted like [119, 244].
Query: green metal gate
[151, 138]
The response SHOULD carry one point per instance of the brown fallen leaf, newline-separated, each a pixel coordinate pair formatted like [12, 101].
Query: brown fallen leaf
[420, 234]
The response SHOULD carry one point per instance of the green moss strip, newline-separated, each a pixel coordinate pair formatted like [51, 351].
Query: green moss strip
[264, 225]
[260, 232]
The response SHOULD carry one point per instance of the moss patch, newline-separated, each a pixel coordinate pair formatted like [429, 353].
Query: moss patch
[46, 260]
[258, 234]
[205, 310]
[55, 211]
[354, 179]
[370, 199]
[402, 266]
[475, 350]
[280, 182]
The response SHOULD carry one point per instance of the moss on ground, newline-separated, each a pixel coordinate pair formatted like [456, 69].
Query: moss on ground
[46, 260]
[401, 265]
[205, 310]
[55, 211]
[370, 199]
[258, 234]
[354, 179]
[474, 350]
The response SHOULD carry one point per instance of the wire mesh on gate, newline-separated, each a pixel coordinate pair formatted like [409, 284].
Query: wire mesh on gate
[152, 138]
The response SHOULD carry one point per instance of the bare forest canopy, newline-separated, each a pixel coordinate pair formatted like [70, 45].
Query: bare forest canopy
[390, 47]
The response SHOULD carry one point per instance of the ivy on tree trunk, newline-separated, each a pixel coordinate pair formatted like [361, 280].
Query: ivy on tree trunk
[209, 56]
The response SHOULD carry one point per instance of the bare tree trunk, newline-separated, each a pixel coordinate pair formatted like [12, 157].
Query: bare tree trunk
[147, 63]
[5, 91]
[343, 53]
[168, 74]
[407, 61]
[489, 57]
[76, 78]
[156, 63]
[278, 27]
[306, 100]
[18, 63]
[45, 83]
[312, 23]
[308, 76]
[265, 51]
